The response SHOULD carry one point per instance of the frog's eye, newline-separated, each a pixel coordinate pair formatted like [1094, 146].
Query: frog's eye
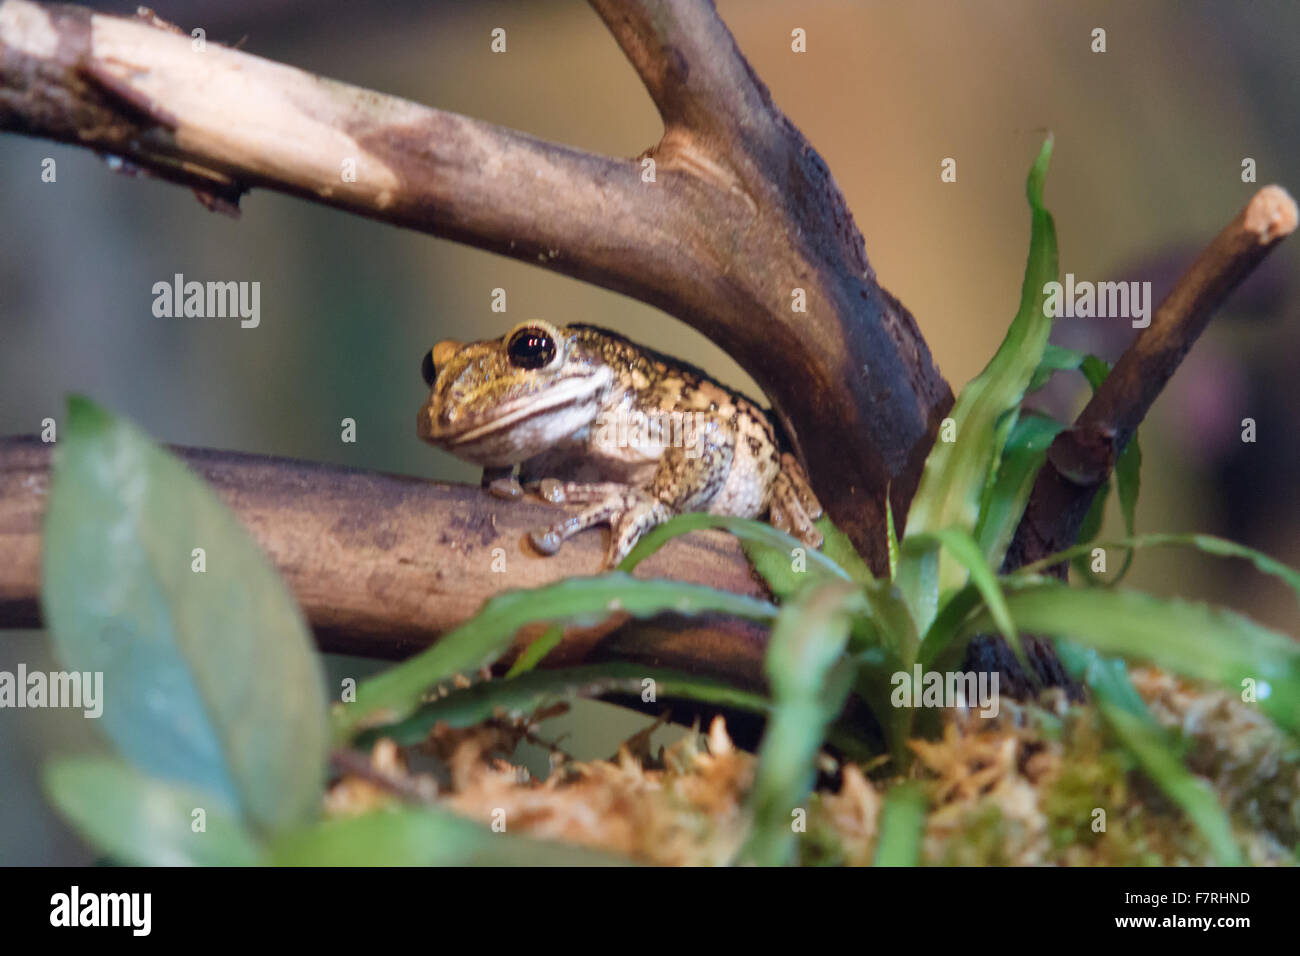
[530, 348]
[428, 370]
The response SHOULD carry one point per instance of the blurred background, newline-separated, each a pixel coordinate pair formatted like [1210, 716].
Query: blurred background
[1150, 139]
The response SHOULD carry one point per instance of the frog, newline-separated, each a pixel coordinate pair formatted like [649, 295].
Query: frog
[630, 436]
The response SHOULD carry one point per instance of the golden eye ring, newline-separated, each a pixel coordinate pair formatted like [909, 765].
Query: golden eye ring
[533, 345]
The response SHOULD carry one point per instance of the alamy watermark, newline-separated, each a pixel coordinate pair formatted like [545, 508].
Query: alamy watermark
[82, 690]
[1102, 300]
[923, 688]
[209, 300]
[651, 432]
[131, 911]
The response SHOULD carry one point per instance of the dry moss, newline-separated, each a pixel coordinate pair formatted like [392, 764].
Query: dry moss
[1040, 784]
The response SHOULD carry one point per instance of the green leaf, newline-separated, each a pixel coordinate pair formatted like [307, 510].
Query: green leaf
[963, 547]
[1055, 359]
[1005, 498]
[902, 826]
[1126, 713]
[1195, 640]
[142, 821]
[810, 680]
[749, 531]
[839, 550]
[529, 692]
[1209, 544]
[891, 537]
[1023, 456]
[411, 836]
[534, 652]
[940, 641]
[210, 678]
[396, 693]
[956, 474]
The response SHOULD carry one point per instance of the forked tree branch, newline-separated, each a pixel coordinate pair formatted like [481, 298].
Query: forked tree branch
[740, 224]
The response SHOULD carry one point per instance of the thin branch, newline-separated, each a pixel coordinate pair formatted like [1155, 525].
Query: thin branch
[741, 219]
[383, 565]
[1082, 457]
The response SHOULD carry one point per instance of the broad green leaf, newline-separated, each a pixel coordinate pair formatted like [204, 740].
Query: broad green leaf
[534, 652]
[210, 676]
[902, 825]
[1195, 640]
[810, 680]
[529, 692]
[1209, 544]
[142, 821]
[396, 693]
[1126, 713]
[424, 836]
[956, 474]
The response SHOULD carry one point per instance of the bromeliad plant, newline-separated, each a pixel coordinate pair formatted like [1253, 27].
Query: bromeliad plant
[836, 631]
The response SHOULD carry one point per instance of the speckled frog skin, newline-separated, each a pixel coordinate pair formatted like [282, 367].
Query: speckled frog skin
[632, 436]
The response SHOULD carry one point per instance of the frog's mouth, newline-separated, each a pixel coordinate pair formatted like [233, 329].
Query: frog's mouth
[531, 419]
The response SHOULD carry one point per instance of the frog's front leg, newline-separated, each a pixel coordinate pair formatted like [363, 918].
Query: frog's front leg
[685, 479]
[629, 512]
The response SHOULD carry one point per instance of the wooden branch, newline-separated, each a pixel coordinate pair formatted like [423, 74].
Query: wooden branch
[741, 219]
[688, 62]
[383, 565]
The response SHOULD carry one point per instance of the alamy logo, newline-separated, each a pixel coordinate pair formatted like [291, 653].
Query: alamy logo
[75, 689]
[954, 689]
[1102, 300]
[102, 909]
[209, 300]
[652, 432]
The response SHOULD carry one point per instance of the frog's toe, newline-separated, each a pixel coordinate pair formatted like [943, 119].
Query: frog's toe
[777, 517]
[507, 489]
[813, 538]
[549, 489]
[546, 540]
